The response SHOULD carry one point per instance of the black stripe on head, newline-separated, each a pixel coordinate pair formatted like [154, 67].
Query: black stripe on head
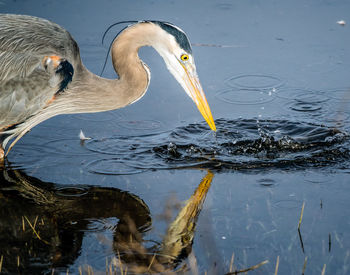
[179, 35]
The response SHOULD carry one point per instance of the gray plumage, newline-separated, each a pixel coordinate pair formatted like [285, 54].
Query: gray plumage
[25, 85]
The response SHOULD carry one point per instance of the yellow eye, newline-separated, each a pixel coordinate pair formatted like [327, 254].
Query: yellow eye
[184, 57]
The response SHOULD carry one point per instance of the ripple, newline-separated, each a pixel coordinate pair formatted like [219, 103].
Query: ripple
[255, 81]
[223, 6]
[21, 152]
[302, 94]
[267, 183]
[99, 117]
[67, 146]
[245, 96]
[311, 97]
[237, 145]
[319, 179]
[111, 167]
[304, 106]
[340, 94]
[288, 204]
[240, 242]
[140, 124]
[306, 101]
[71, 191]
[100, 225]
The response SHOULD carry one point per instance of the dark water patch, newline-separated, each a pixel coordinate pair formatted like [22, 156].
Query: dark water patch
[237, 145]
[255, 81]
[61, 221]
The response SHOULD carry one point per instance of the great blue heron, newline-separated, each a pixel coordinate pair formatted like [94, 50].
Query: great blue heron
[42, 75]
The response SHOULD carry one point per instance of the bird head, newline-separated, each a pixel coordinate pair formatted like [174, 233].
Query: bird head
[173, 45]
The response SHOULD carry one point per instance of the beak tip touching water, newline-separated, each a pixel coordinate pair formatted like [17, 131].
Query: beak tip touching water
[204, 109]
[195, 91]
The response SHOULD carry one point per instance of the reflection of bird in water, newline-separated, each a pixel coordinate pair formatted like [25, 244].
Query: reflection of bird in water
[42, 75]
[176, 244]
[61, 216]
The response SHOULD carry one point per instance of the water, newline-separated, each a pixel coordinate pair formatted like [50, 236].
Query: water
[154, 188]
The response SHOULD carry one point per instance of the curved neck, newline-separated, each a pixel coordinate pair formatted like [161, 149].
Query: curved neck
[100, 94]
[134, 75]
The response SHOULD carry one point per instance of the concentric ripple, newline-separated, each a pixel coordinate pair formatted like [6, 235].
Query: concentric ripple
[255, 81]
[238, 144]
[246, 96]
[304, 100]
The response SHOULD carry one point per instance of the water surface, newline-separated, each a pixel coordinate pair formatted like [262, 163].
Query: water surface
[154, 188]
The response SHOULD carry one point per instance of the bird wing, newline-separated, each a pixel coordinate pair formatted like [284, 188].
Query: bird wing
[26, 40]
[25, 85]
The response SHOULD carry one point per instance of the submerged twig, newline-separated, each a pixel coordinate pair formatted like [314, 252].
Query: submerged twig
[35, 232]
[152, 260]
[1, 260]
[248, 269]
[323, 269]
[301, 241]
[301, 215]
[277, 264]
[23, 225]
[232, 261]
[304, 266]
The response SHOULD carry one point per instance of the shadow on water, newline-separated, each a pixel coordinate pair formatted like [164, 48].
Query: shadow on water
[243, 144]
[43, 226]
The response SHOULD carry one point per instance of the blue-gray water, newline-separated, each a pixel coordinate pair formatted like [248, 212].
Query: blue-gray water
[276, 76]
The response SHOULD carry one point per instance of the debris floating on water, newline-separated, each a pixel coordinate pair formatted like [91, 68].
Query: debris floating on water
[341, 22]
[82, 136]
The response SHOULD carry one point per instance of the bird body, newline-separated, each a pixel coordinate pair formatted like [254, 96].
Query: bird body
[42, 75]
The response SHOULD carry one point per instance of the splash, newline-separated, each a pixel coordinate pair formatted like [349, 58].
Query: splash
[238, 145]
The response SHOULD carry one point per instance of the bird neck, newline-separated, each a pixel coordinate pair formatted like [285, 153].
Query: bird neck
[134, 75]
[101, 94]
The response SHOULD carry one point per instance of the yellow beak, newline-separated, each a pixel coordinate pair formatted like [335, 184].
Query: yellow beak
[195, 91]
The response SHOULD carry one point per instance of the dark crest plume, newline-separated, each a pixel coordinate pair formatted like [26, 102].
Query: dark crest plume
[110, 45]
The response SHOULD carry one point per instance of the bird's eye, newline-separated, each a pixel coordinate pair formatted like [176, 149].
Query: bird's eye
[184, 57]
